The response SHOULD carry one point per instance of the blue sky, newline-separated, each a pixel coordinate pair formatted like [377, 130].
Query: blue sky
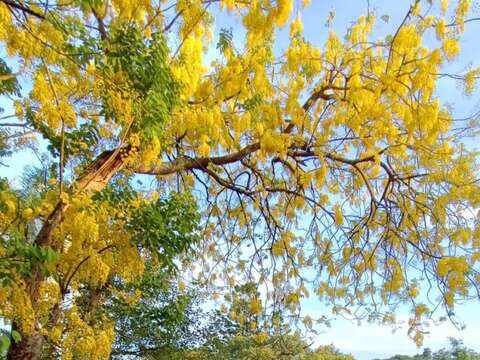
[367, 341]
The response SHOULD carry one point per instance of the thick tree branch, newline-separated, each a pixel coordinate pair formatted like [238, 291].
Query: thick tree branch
[185, 163]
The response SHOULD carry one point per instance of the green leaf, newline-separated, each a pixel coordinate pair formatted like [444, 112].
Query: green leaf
[16, 336]
[4, 344]
[252, 103]
[145, 63]
[8, 81]
[225, 39]
[167, 227]
[50, 255]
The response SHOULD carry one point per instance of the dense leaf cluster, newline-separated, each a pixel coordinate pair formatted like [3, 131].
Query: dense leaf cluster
[145, 64]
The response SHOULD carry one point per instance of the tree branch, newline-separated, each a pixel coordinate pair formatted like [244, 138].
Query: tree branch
[26, 9]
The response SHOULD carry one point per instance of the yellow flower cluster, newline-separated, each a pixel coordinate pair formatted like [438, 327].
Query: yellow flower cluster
[274, 143]
[132, 9]
[255, 305]
[86, 341]
[5, 20]
[301, 54]
[283, 245]
[16, 305]
[460, 13]
[454, 269]
[396, 281]
[48, 297]
[8, 201]
[451, 48]
[470, 79]
[89, 239]
[54, 108]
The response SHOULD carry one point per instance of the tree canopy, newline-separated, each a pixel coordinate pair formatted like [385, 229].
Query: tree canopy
[331, 170]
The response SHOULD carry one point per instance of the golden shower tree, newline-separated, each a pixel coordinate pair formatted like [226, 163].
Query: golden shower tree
[332, 169]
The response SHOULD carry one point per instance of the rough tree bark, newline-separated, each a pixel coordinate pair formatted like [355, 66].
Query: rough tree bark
[29, 348]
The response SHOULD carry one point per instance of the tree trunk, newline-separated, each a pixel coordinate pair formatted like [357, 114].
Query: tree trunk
[95, 178]
[28, 348]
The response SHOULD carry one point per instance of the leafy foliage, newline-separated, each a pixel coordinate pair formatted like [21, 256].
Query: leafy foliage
[329, 170]
[225, 39]
[457, 351]
[19, 257]
[266, 347]
[79, 142]
[8, 81]
[145, 64]
[166, 227]
[164, 322]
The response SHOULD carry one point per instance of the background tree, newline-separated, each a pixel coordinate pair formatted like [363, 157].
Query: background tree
[164, 322]
[265, 347]
[330, 167]
[457, 351]
[214, 335]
